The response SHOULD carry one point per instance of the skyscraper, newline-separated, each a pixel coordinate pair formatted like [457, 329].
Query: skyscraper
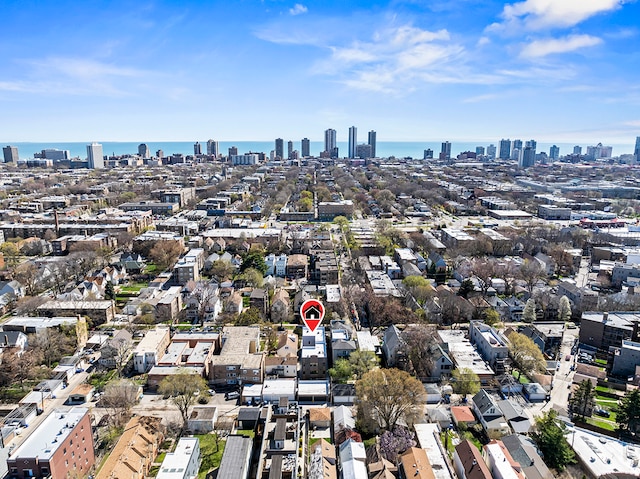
[95, 156]
[554, 153]
[372, 143]
[329, 140]
[636, 150]
[527, 157]
[577, 150]
[233, 150]
[491, 151]
[305, 147]
[143, 150]
[212, 148]
[10, 154]
[279, 148]
[505, 149]
[445, 151]
[197, 149]
[479, 150]
[353, 141]
[516, 148]
[428, 154]
[532, 143]
[159, 154]
[289, 149]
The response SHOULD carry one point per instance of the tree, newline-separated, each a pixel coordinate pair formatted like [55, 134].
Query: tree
[51, 345]
[419, 339]
[27, 274]
[526, 354]
[531, 272]
[393, 443]
[183, 389]
[204, 296]
[583, 400]
[529, 312]
[11, 253]
[165, 253]
[564, 309]
[254, 260]
[341, 221]
[387, 396]
[221, 270]
[18, 367]
[466, 288]
[491, 317]
[252, 277]
[550, 438]
[109, 291]
[118, 398]
[419, 287]
[484, 270]
[628, 417]
[248, 317]
[362, 362]
[341, 372]
[465, 381]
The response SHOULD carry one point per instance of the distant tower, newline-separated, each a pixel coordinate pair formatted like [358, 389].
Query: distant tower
[212, 148]
[197, 149]
[445, 151]
[330, 143]
[636, 151]
[491, 151]
[280, 148]
[10, 154]
[353, 141]
[233, 151]
[528, 156]
[143, 151]
[95, 156]
[159, 154]
[289, 149]
[577, 150]
[554, 153]
[505, 149]
[305, 147]
[372, 143]
[479, 151]
[428, 154]
[516, 148]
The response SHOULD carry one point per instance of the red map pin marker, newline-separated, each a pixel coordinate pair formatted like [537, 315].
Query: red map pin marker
[312, 312]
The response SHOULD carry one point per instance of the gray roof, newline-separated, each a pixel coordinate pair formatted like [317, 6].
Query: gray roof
[523, 450]
[236, 458]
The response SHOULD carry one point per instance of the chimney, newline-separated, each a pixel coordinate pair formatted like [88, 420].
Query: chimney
[605, 317]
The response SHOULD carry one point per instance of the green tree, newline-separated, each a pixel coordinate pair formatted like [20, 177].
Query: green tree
[252, 277]
[465, 381]
[248, 317]
[341, 221]
[564, 309]
[526, 354]
[628, 417]
[387, 396]
[109, 291]
[491, 317]
[165, 253]
[466, 288]
[183, 389]
[221, 270]
[549, 435]
[254, 260]
[11, 253]
[341, 372]
[362, 362]
[583, 399]
[529, 312]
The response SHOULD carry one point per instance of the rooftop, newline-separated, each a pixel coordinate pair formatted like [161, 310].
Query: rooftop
[175, 463]
[604, 455]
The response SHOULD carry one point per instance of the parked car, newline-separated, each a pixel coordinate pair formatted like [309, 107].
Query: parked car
[602, 412]
[232, 395]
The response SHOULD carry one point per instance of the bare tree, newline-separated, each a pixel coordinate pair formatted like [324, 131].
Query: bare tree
[484, 269]
[118, 398]
[531, 272]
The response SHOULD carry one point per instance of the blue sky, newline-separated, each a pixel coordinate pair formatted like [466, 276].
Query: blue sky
[554, 70]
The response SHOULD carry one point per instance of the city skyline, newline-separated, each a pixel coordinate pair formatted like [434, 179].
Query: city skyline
[412, 70]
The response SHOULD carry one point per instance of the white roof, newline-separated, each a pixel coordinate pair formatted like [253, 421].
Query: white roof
[313, 388]
[604, 455]
[428, 436]
[175, 463]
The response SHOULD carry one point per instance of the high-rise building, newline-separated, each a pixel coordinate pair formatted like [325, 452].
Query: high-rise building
[491, 151]
[527, 157]
[516, 148]
[95, 156]
[353, 141]
[305, 147]
[233, 150]
[10, 154]
[329, 140]
[577, 150]
[445, 151]
[636, 150]
[159, 154]
[212, 148]
[554, 152]
[197, 149]
[364, 151]
[505, 149]
[479, 150]
[532, 144]
[144, 151]
[289, 149]
[428, 154]
[372, 143]
[279, 148]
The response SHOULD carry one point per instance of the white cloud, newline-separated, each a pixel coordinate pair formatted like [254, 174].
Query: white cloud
[541, 14]
[298, 9]
[542, 48]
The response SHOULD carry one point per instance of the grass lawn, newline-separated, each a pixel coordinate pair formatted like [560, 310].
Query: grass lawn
[369, 442]
[523, 379]
[247, 432]
[604, 424]
[601, 362]
[210, 453]
[133, 288]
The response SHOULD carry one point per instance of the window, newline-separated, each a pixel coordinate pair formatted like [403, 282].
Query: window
[44, 471]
